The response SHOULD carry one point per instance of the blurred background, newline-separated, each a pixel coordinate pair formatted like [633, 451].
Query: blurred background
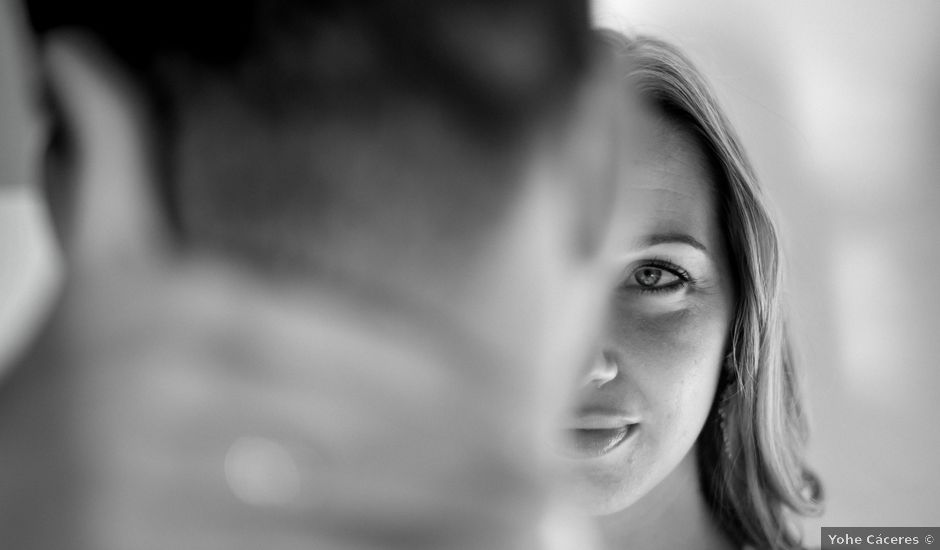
[838, 104]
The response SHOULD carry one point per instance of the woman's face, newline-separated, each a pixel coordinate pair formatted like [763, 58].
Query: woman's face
[648, 393]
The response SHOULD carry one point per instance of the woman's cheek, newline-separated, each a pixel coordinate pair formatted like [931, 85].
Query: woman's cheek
[653, 336]
[674, 356]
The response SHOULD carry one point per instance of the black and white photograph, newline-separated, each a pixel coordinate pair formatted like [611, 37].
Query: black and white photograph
[469, 275]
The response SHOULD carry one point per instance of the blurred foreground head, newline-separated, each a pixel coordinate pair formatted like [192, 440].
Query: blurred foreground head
[413, 151]
[408, 201]
[334, 135]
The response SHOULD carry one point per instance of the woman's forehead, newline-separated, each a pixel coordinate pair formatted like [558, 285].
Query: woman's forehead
[668, 186]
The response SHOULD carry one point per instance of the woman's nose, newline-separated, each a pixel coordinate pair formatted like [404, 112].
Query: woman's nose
[603, 369]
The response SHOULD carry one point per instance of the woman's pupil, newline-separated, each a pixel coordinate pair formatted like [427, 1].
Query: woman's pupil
[648, 276]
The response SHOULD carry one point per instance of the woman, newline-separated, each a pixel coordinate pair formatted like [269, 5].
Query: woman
[689, 429]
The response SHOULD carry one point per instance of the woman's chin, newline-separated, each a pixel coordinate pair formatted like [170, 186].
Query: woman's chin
[600, 494]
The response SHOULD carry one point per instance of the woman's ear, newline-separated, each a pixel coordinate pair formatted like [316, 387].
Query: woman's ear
[100, 170]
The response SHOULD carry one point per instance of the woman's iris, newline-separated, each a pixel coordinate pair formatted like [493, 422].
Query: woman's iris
[648, 276]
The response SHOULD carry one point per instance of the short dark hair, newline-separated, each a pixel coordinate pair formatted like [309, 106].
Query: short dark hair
[291, 126]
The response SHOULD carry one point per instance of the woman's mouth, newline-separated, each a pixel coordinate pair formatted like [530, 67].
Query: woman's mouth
[598, 442]
[594, 435]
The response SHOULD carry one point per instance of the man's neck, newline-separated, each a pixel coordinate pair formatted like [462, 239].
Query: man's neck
[673, 515]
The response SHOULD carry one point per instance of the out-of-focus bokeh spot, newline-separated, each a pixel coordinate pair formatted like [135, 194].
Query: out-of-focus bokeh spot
[261, 472]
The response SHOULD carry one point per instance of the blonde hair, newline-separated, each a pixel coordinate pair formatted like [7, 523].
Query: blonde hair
[752, 464]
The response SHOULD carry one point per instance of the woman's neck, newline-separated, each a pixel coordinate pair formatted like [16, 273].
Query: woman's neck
[673, 515]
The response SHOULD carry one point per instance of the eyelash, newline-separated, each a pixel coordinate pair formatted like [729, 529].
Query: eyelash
[685, 278]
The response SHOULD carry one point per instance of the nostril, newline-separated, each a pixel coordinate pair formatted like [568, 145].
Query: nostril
[603, 369]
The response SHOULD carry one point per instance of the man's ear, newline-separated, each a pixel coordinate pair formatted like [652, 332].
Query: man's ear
[107, 211]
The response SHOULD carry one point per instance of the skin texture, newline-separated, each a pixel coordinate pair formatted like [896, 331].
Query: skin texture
[662, 353]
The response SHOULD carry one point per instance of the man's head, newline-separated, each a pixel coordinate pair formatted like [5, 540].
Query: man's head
[318, 133]
[419, 148]
[441, 155]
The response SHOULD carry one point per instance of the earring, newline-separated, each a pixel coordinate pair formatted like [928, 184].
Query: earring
[722, 419]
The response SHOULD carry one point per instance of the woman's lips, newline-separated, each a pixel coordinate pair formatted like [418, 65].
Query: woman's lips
[601, 421]
[596, 431]
[590, 443]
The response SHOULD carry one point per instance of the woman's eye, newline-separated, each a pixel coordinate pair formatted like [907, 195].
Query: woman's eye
[654, 277]
[657, 278]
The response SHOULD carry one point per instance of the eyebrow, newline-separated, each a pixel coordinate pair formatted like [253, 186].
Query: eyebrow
[660, 238]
